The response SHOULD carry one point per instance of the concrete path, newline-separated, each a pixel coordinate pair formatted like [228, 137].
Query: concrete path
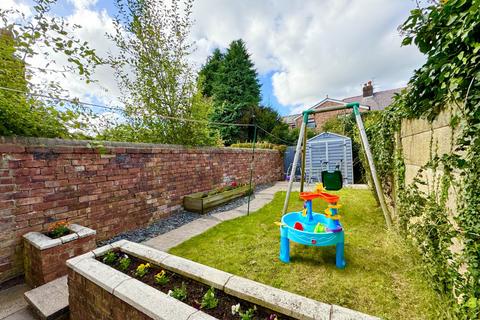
[13, 306]
[175, 237]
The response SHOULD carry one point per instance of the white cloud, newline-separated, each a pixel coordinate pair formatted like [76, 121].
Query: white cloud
[23, 8]
[83, 4]
[314, 47]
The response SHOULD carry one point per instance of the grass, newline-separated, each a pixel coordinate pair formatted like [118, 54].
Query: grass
[382, 276]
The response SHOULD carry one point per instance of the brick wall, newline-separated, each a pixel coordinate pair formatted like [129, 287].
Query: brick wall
[111, 189]
[88, 301]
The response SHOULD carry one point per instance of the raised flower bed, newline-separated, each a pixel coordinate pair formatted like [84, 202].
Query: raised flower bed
[127, 280]
[202, 202]
[45, 253]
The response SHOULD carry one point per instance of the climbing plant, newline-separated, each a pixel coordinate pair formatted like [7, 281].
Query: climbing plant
[448, 33]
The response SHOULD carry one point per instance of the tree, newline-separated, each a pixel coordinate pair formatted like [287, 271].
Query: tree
[271, 121]
[20, 112]
[154, 73]
[236, 93]
[295, 133]
[210, 72]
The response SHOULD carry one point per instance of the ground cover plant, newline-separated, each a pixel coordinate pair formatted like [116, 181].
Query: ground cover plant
[198, 295]
[382, 276]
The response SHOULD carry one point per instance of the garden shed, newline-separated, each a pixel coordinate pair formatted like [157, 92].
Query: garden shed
[329, 151]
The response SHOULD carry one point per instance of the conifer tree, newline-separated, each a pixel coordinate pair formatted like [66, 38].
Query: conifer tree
[210, 72]
[236, 93]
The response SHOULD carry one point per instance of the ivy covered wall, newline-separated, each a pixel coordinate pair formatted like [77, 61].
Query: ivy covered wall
[432, 172]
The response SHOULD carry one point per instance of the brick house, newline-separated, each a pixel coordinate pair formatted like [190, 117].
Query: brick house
[375, 100]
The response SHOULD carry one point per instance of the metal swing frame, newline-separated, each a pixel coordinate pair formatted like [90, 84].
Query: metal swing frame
[302, 140]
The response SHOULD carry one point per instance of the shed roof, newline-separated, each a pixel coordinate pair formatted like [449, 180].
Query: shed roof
[328, 135]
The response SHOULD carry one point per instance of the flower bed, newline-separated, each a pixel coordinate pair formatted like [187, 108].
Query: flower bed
[196, 294]
[202, 202]
[157, 285]
[45, 256]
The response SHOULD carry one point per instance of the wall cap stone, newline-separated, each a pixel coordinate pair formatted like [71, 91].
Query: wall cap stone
[341, 313]
[81, 230]
[285, 302]
[42, 241]
[152, 302]
[99, 273]
[202, 273]
[141, 147]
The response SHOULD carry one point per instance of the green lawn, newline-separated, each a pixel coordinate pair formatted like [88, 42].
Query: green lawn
[382, 276]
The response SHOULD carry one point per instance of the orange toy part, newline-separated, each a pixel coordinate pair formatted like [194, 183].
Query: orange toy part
[330, 198]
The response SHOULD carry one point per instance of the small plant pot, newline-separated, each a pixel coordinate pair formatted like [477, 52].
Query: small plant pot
[44, 257]
[198, 202]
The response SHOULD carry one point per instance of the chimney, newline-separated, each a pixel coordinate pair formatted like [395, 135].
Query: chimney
[368, 89]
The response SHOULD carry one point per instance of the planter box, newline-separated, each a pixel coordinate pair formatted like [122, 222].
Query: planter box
[98, 291]
[44, 257]
[195, 202]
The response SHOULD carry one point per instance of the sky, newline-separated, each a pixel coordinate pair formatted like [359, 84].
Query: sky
[303, 50]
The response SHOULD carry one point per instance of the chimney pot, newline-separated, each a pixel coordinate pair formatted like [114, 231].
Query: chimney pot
[368, 89]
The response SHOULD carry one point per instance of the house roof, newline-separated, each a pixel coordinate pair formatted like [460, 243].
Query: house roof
[378, 101]
[290, 118]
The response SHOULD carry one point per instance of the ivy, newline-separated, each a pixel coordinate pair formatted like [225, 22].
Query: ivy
[448, 33]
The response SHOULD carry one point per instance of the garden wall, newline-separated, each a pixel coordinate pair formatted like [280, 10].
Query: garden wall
[421, 140]
[111, 188]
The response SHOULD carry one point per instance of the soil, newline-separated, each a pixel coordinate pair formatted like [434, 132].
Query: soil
[195, 292]
[52, 235]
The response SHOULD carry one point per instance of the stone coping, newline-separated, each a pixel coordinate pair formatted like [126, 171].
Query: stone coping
[94, 144]
[42, 241]
[141, 296]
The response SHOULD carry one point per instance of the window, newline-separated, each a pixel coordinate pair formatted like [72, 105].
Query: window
[311, 123]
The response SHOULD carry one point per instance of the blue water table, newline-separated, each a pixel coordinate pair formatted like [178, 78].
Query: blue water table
[313, 229]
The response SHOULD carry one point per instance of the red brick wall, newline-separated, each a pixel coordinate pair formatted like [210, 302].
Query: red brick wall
[112, 189]
[88, 301]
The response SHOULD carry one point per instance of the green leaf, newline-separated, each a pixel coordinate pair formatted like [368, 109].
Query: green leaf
[471, 303]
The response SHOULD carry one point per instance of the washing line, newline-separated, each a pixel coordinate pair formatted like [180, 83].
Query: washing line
[78, 102]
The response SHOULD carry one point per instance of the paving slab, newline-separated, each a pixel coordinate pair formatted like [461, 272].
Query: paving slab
[11, 300]
[173, 238]
[229, 215]
[50, 301]
[26, 313]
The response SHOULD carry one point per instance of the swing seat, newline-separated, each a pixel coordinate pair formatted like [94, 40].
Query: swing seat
[332, 180]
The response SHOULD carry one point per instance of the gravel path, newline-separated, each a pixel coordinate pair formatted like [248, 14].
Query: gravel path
[176, 220]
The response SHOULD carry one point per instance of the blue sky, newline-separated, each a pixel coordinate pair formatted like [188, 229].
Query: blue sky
[303, 50]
